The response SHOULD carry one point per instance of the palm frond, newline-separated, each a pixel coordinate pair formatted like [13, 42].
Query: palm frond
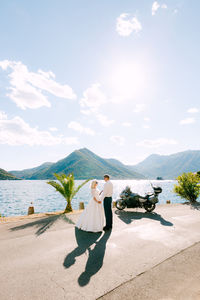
[69, 186]
[79, 187]
[60, 177]
[57, 186]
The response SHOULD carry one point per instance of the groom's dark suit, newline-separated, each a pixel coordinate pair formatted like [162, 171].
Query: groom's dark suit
[107, 202]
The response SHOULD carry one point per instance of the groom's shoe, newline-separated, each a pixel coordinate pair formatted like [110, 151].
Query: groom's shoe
[107, 228]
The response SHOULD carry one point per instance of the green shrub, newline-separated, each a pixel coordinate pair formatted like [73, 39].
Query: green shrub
[188, 186]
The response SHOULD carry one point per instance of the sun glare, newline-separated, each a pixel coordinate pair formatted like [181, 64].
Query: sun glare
[127, 80]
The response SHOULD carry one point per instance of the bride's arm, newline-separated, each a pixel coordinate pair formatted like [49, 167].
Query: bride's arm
[95, 199]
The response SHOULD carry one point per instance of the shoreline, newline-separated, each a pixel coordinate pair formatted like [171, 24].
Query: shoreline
[4, 220]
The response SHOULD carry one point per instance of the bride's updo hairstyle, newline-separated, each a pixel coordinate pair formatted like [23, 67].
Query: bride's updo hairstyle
[93, 184]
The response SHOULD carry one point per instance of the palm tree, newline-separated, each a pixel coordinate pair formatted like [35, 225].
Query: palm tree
[66, 187]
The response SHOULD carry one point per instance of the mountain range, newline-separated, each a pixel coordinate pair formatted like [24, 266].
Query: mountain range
[169, 166]
[4, 175]
[86, 164]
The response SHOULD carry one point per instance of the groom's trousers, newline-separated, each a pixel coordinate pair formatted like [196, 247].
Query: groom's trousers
[108, 211]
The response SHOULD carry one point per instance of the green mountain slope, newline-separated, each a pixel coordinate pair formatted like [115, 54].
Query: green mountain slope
[84, 164]
[4, 175]
[169, 166]
[29, 173]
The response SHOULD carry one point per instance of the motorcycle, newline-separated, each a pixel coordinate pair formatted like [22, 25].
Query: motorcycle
[132, 200]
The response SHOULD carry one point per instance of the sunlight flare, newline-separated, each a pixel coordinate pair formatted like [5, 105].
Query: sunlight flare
[127, 80]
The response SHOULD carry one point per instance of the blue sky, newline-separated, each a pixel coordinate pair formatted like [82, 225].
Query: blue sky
[118, 77]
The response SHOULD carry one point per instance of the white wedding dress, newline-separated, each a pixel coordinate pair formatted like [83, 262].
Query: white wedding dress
[92, 218]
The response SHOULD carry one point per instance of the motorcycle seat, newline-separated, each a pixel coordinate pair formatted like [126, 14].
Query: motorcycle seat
[144, 197]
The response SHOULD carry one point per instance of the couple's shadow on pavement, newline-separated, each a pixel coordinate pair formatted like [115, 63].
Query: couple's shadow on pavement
[95, 256]
[129, 216]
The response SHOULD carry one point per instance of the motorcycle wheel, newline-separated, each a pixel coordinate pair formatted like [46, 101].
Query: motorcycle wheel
[120, 204]
[149, 207]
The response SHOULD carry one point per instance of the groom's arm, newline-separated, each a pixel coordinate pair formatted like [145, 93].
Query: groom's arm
[103, 193]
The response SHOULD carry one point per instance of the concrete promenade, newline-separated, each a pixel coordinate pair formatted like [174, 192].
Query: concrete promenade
[47, 258]
[177, 277]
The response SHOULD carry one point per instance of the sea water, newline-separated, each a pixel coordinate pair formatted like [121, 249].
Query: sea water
[16, 196]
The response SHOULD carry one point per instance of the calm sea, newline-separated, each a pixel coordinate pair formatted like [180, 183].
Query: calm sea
[16, 196]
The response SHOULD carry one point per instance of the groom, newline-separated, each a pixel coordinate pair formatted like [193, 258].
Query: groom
[106, 197]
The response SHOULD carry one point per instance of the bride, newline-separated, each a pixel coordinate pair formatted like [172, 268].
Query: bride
[92, 218]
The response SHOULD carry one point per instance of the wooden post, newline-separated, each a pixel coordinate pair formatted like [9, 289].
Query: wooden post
[81, 205]
[31, 209]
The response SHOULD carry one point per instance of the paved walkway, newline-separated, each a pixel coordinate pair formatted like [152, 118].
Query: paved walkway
[46, 258]
[177, 278]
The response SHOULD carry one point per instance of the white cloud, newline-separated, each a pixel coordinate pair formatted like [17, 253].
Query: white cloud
[26, 88]
[193, 110]
[104, 121]
[164, 6]
[93, 97]
[156, 6]
[146, 119]
[126, 124]
[187, 121]
[86, 112]
[53, 129]
[78, 127]
[139, 108]
[4, 64]
[116, 139]
[146, 126]
[17, 132]
[126, 25]
[3, 115]
[156, 143]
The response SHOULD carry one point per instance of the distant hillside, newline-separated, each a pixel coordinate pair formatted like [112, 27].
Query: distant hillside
[29, 173]
[6, 175]
[84, 164]
[169, 166]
